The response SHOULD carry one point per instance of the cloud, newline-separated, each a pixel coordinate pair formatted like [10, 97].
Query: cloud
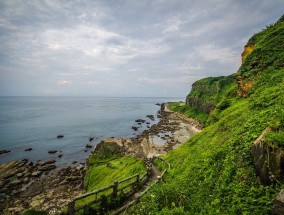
[210, 52]
[63, 82]
[130, 48]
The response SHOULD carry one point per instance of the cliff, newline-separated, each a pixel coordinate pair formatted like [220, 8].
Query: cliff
[235, 165]
[208, 92]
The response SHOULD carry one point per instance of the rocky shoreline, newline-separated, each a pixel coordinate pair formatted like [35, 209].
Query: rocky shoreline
[42, 186]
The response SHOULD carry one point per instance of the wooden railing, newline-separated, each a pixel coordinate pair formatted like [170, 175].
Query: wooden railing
[130, 184]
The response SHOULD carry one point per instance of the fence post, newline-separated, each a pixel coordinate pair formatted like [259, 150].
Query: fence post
[148, 172]
[115, 188]
[71, 208]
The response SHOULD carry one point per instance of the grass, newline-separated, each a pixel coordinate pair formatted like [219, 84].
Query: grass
[103, 174]
[213, 172]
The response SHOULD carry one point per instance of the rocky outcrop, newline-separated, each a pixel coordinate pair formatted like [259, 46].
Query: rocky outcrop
[268, 160]
[278, 204]
[247, 50]
[208, 92]
[38, 186]
[172, 129]
[244, 86]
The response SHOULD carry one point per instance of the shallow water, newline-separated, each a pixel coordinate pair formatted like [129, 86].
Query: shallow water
[36, 121]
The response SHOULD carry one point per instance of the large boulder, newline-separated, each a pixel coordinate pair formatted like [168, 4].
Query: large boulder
[268, 160]
[278, 204]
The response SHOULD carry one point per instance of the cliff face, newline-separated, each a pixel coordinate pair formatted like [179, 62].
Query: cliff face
[208, 92]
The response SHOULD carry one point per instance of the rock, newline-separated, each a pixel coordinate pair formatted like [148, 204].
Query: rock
[91, 139]
[20, 175]
[86, 150]
[134, 128]
[158, 104]
[89, 146]
[140, 120]
[25, 160]
[50, 161]
[74, 162]
[26, 180]
[28, 149]
[268, 160]
[4, 152]
[151, 117]
[46, 168]
[73, 178]
[16, 182]
[36, 174]
[60, 155]
[41, 163]
[52, 151]
[60, 136]
[278, 204]
[148, 123]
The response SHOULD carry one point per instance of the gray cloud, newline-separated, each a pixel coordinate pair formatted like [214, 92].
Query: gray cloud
[123, 48]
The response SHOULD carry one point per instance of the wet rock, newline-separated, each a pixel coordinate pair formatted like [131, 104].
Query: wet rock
[86, 150]
[36, 174]
[89, 146]
[16, 182]
[28, 149]
[52, 151]
[41, 163]
[134, 128]
[73, 178]
[60, 136]
[20, 175]
[60, 155]
[74, 162]
[4, 152]
[26, 180]
[140, 120]
[158, 104]
[151, 117]
[46, 168]
[50, 161]
[25, 160]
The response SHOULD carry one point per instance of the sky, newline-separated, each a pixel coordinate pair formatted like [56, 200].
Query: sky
[123, 48]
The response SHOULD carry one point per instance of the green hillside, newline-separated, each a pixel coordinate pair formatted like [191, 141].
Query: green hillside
[213, 172]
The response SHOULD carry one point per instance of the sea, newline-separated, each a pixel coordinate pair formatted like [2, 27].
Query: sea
[35, 122]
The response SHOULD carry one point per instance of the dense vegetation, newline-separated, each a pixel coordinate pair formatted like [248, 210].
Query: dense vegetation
[213, 172]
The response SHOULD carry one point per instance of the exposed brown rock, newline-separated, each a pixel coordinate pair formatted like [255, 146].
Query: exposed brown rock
[244, 86]
[247, 50]
[278, 204]
[268, 160]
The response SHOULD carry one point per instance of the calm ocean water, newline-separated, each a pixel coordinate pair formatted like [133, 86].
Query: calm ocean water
[36, 121]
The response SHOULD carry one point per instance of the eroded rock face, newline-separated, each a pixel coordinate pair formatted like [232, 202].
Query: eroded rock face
[268, 160]
[244, 86]
[278, 204]
[247, 50]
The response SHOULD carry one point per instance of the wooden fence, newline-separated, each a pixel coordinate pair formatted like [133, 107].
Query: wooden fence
[128, 187]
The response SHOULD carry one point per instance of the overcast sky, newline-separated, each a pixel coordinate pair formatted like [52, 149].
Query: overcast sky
[123, 48]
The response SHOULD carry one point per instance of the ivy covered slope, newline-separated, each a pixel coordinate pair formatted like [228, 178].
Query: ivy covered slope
[213, 172]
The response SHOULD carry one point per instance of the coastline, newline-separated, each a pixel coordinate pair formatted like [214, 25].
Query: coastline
[42, 186]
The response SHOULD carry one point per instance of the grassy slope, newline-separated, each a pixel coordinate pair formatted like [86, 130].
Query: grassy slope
[103, 174]
[212, 173]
